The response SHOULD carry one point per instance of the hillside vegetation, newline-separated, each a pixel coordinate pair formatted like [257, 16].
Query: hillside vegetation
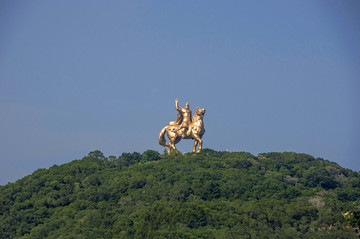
[206, 195]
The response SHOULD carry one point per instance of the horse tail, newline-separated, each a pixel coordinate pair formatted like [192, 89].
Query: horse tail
[162, 140]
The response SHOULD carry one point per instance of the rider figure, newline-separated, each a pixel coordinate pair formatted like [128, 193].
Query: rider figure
[185, 118]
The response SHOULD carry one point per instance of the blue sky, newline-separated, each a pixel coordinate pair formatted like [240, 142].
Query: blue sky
[274, 76]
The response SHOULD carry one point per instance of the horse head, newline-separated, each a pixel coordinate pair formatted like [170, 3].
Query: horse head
[200, 111]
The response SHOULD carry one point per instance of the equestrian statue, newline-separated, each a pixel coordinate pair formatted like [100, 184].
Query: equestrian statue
[184, 127]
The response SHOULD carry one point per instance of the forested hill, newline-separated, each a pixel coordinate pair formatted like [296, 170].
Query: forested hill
[206, 195]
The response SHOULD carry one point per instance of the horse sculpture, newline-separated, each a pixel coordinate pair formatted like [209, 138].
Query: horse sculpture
[175, 131]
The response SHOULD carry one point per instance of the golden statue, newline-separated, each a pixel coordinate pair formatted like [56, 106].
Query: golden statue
[184, 127]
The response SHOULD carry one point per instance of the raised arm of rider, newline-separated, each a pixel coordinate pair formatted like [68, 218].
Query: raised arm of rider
[177, 104]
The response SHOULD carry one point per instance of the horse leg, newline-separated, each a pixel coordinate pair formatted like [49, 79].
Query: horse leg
[172, 145]
[174, 148]
[195, 144]
[169, 149]
[198, 139]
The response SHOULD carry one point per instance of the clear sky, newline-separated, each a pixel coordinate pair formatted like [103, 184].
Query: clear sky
[274, 76]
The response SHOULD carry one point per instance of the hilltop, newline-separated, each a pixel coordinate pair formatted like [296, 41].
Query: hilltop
[207, 195]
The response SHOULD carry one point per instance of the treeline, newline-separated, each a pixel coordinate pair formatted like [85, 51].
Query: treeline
[207, 195]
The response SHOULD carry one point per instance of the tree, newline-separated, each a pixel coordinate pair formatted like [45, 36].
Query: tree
[97, 154]
[150, 155]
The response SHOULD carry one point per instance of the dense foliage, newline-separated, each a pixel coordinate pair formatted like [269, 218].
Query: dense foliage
[206, 195]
